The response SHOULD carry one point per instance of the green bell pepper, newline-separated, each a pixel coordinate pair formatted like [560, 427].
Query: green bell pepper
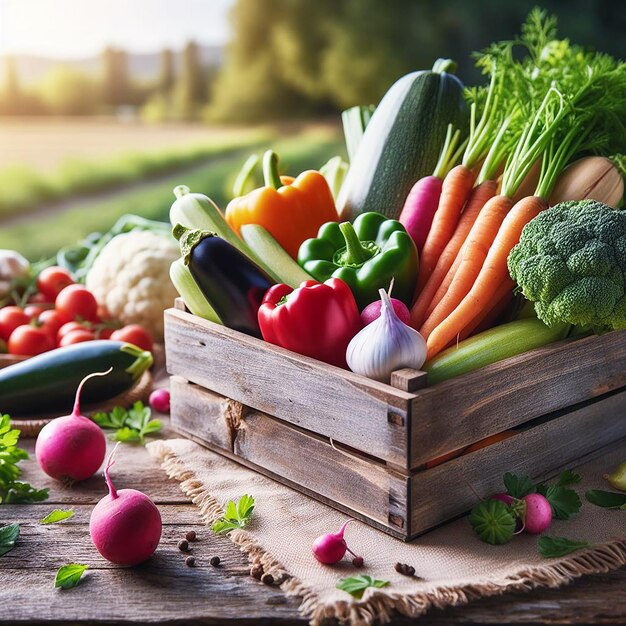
[366, 256]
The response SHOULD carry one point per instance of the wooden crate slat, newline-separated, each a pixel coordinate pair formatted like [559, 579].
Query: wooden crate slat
[459, 412]
[537, 451]
[348, 408]
[292, 456]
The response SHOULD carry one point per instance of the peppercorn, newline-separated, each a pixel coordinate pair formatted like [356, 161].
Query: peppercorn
[183, 545]
[256, 572]
[357, 561]
[190, 561]
[404, 569]
[267, 579]
[191, 535]
[215, 561]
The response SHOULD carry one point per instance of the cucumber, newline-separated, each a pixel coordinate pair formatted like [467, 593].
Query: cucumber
[402, 141]
[269, 254]
[48, 382]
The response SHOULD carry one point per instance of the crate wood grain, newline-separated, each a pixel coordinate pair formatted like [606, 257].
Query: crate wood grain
[403, 506]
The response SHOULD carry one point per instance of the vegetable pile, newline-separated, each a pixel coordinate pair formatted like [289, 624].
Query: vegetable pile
[465, 199]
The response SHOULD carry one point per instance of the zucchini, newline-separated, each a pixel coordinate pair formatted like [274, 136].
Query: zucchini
[48, 382]
[402, 141]
[190, 292]
[269, 254]
[491, 346]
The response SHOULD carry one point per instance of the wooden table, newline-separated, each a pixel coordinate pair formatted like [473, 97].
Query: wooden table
[165, 591]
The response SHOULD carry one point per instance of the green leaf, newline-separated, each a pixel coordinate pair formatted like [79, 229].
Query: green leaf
[493, 522]
[356, 585]
[223, 525]
[118, 416]
[57, 515]
[606, 499]
[8, 537]
[103, 420]
[69, 575]
[569, 478]
[152, 427]
[518, 486]
[552, 547]
[126, 434]
[245, 507]
[236, 515]
[564, 502]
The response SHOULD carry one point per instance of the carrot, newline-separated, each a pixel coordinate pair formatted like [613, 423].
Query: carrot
[456, 188]
[494, 271]
[473, 255]
[478, 197]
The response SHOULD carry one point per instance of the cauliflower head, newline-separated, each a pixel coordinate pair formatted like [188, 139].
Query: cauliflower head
[571, 262]
[130, 277]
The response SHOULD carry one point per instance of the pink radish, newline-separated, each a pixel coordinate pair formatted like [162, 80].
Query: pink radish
[503, 497]
[125, 526]
[331, 548]
[372, 311]
[538, 513]
[420, 207]
[71, 447]
[160, 400]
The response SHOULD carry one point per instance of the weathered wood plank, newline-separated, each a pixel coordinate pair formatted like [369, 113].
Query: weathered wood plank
[293, 456]
[350, 409]
[538, 451]
[514, 391]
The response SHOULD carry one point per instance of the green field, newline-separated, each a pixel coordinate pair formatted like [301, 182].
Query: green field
[44, 235]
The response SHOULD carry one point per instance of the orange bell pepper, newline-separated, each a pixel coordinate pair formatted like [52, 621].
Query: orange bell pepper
[291, 210]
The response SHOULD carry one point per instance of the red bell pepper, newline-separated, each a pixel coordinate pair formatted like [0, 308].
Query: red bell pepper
[316, 319]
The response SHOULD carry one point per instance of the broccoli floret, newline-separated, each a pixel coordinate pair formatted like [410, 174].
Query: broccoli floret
[571, 262]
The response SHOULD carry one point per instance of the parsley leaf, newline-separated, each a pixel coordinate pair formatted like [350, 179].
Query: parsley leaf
[564, 502]
[55, 516]
[552, 547]
[132, 425]
[356, 585]
[606, 499]
[236, 515]
[69, 575]
[8, 537]
[518, 486]
[13, 490]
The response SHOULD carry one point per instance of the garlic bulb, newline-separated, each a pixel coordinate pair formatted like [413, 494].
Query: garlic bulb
[13, 266]
[590, 178]
[385, 345]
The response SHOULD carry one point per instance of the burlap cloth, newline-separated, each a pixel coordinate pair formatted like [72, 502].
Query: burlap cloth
[454, 564]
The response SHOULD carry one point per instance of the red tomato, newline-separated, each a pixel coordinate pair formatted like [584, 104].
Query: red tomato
[76, 336]
[29, 341]
[10, 318]
[135, 334]
[41, 300]
[68, 328]
[76, 302]
[50, 321]
[104, 333]
[52, 281]
[33, 311]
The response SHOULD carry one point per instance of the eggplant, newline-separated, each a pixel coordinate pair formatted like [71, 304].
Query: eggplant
[233, 285]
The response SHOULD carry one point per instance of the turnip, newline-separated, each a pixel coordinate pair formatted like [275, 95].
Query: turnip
[372, 311]
[331, 547]
[503, 497]
[71, 447]
[537, 514]
[125, 526]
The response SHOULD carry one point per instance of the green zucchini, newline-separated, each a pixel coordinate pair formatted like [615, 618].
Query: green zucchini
[190, 292]
[269, 254]
[48, 382]
[402, 141]
[491, 346]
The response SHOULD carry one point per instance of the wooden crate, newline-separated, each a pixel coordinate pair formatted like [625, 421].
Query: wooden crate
[361, 446]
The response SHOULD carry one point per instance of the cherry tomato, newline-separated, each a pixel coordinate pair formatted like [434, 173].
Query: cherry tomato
[33, 311]
[41, 300]
[135, 334]
[76, 302]
[68, 328]
[10, 318]
[52, 281]
[76, 336]
[104, 332]
[29, 341]
[49, 320]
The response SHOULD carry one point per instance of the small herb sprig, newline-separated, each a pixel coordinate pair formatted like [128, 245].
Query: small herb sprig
[8, 537]
[68, 576]
[607, 499]
[12, 490]
[130, 425]
[552, 547]
[356, 585]
[236, 515]
[58, 515]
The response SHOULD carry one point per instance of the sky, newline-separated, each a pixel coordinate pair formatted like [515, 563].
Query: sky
[81, 28]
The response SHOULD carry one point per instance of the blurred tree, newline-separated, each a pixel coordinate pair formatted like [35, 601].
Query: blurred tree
[166, 78]
[15, 99]
[116, 85]
[191, 87]
[67, 91]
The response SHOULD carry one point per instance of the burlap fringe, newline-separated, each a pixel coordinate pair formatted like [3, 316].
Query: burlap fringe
[378, 606]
